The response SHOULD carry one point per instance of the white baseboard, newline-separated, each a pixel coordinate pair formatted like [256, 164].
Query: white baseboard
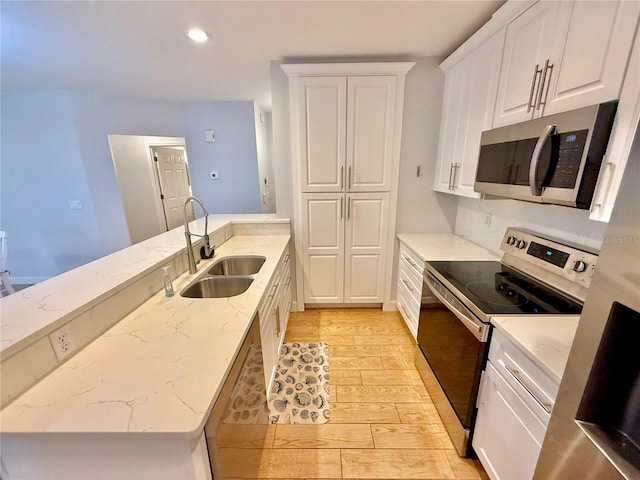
[389, 306]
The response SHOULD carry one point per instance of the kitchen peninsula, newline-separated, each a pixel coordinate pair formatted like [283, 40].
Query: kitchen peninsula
[137, 397]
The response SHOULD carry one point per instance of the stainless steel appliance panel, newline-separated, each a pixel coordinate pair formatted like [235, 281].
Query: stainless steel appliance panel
[568, 452]
[554, 159]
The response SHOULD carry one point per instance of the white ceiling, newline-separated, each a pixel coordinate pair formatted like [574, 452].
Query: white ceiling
[140, 48]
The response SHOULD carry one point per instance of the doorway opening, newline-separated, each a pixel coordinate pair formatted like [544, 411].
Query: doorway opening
[152, 191]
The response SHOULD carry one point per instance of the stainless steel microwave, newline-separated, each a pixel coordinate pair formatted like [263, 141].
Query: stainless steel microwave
[554, 159]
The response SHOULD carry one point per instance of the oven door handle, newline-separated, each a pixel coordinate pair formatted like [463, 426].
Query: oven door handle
[478, 329]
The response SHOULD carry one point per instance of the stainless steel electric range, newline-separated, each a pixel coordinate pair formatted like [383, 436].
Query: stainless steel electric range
[536, 276]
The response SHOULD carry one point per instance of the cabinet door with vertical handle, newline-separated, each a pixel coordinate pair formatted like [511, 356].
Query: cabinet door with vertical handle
[527, 46]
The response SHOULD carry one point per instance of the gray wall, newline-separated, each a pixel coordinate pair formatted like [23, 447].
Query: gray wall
[55, 148]
[233, 155]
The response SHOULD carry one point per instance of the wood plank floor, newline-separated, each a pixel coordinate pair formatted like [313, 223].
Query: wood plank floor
[383, 424]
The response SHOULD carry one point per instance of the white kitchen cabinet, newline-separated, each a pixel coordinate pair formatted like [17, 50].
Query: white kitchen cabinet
[344, 244]
[527, 46]
[347, 142]
[274, 314]
[508, 437]
[514, 407]
[346, 130]
[322, 143]
[409, 288]
[468, 106]
[560, 56]
[623, 133]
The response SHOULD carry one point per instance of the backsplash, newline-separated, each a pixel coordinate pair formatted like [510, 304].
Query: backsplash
[484, 222]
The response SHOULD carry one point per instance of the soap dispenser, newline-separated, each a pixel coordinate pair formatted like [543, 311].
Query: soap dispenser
[168, 286]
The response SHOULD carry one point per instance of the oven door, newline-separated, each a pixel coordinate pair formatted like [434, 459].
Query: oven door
[454, 344]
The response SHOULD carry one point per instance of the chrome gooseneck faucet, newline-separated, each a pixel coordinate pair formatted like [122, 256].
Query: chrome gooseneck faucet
[207, 250]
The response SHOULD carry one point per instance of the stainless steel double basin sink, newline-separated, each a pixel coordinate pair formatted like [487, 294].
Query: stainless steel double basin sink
[227, 277]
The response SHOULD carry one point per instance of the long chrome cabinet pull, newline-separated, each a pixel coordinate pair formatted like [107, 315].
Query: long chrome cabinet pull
[544, 87]
[349, 178]
[407, 284]
[341, 176]
[456, 166]
[451, 177]
[536, 72]
[277, 312]
[341, 208]
[405, 312]
[348, 208]
[410, 262]
[535, 158]
[514, 373]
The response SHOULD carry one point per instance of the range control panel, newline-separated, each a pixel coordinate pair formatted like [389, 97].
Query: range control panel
[543, 254]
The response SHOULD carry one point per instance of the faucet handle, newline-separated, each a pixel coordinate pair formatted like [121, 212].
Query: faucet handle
[207, 250]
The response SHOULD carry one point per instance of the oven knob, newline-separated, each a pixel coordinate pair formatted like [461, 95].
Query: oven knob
[579, 266]
[521, 244]
[511, 240]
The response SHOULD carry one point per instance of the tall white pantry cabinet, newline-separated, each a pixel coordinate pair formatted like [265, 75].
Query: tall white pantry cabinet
[346, 122]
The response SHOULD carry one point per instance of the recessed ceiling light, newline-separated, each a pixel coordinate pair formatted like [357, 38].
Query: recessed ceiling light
[198, 35]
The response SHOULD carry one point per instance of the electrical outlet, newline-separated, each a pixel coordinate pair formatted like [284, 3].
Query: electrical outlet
[62, 343]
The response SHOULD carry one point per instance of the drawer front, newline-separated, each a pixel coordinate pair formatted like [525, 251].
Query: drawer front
[411, 284]
[409, 308]
[536, 388]
[415, 263]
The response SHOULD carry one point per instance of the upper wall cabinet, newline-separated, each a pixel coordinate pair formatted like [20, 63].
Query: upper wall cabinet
[347, 140]
[559, 56]
[467, 110]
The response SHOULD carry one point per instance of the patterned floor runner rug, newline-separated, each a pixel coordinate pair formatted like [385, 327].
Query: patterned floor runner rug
[300, 390]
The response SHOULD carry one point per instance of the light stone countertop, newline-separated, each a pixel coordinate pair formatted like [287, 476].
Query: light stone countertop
[156, 372]
[444, 246]
[546, 340]
[35, 312]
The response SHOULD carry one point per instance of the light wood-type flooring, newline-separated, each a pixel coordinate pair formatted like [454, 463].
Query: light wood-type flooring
[383, 424]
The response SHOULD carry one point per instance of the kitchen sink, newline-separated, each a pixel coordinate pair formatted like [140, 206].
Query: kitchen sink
[217, 287]
[237, 265]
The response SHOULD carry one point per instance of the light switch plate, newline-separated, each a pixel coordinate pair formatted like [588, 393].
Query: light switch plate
[209, 136]
[214, 176]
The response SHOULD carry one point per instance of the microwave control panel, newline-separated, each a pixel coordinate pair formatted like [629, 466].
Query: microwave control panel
[570, 151]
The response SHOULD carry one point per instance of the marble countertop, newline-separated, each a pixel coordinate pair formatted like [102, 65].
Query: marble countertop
[37, 311]
[546, 340]
[444, 246]
[158, 370]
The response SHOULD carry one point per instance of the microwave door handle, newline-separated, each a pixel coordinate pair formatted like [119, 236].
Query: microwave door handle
[535, 160]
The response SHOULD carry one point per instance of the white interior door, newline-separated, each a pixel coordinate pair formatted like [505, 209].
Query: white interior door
[366, 232]
[323, 247]
[173, 175]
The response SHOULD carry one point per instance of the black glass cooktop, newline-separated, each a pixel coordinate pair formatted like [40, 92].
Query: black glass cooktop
[497, 289]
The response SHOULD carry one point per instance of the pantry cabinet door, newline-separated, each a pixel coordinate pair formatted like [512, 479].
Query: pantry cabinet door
[590, 53]
[527, 47]
[370, 132]
[321, 143]
[322, 222]
[367, 218]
